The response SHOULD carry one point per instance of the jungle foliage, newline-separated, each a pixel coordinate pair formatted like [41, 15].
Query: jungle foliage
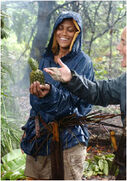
[99, 165]
[13, 165]
[25, 30]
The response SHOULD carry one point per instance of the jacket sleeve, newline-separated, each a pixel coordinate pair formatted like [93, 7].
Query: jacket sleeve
[98, 92]
[57, 102]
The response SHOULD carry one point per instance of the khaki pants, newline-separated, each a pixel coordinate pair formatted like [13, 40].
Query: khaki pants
[73, 164]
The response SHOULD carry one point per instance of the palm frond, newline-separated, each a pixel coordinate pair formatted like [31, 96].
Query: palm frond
[7, 69]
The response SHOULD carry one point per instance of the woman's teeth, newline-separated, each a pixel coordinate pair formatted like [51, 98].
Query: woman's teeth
[63, 39]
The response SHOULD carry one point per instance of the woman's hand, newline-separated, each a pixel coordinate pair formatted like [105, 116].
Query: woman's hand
[62, 74]
[39, 90]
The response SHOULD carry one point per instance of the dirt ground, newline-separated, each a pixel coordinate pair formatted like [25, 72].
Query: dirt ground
[100, 141]
[100, 133]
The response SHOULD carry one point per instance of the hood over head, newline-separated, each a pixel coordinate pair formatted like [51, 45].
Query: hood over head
[75, 46]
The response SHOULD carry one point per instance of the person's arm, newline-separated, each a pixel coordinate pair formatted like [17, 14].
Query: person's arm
[99, 92]
[56, 102]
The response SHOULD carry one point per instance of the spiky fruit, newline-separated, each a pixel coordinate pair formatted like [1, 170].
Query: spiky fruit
[36, 74]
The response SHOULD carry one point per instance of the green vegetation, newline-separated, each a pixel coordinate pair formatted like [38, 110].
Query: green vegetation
[99, 165]
[13, 165]
[10, 135]
[24, 34]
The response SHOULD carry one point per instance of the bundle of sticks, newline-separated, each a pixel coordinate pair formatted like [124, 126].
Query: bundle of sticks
[95, 117]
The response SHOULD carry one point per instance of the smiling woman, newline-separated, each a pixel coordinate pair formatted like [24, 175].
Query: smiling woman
[54, 103]
[64, 35]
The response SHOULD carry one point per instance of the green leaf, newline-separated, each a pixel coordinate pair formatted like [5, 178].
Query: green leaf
[14, 154]
[3, 94]
[17, 175]
[86, 165]
[13, 165]
[2, 169]
[7, 175]
[100, 173]
[110, 157]
[100, 163]
[98, 157]
[96, 168]
[106, 169]
[89, 173]
[7, 69]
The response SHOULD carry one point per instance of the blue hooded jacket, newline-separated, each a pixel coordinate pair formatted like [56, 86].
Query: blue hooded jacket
[60, 102]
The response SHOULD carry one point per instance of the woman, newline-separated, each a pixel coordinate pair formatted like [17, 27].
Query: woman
[55, 102]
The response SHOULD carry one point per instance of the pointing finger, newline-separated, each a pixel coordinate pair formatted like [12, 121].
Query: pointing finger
[60, 62]
[48, 70]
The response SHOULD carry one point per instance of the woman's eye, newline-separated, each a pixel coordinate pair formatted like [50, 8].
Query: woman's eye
[71, 30]
[68, 29]
[60, 28]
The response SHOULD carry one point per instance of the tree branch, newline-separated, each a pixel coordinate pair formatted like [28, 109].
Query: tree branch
[109, 27]
[59, 6]
[31, 35]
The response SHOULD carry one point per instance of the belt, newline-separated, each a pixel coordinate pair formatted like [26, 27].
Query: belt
[57, 165]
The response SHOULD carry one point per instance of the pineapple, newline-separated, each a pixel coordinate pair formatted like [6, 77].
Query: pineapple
[36, 74]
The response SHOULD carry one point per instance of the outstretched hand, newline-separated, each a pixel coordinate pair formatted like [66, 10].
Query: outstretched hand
[62, 74]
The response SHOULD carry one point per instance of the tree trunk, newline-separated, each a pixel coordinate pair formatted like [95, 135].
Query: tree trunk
[41, 37]
[43, 26]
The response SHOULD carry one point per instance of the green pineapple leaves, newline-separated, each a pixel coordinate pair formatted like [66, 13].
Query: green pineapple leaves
[33, 64]
[36, 74]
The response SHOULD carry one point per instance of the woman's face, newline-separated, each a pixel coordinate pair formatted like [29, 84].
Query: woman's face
[65, 33]
[122, 47]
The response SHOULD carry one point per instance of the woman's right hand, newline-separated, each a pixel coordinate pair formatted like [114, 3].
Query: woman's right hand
[39, 90]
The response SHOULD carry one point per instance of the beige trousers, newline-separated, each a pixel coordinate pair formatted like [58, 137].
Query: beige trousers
[73, 165]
